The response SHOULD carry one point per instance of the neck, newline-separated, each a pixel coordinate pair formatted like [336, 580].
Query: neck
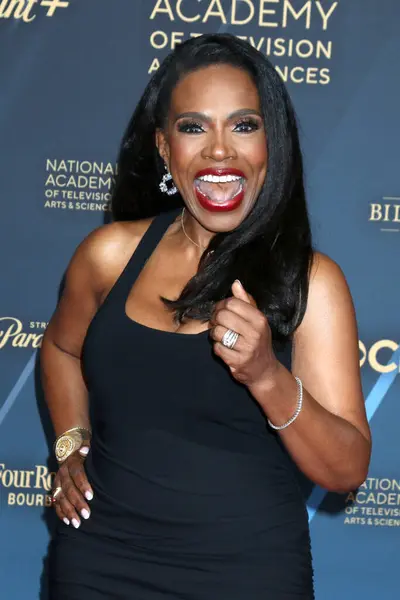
[197, 235]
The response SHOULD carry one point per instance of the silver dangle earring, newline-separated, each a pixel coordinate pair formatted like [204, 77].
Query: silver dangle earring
[163, 184]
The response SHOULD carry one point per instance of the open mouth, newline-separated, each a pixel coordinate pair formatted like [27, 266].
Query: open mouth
[220, 191]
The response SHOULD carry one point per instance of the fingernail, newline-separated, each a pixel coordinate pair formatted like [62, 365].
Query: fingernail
[88, 495]
[75, 523]
[85, 513]
[84, 450]
[239, 282]
[66, 521]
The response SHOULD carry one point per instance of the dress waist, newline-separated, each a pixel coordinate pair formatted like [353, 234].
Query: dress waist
[174, 485]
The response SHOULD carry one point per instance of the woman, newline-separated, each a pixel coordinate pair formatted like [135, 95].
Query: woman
[178, 313]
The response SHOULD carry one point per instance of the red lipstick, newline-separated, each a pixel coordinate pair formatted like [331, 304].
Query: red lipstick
[220, 206]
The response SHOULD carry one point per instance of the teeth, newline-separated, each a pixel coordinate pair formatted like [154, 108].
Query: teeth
[219, 179]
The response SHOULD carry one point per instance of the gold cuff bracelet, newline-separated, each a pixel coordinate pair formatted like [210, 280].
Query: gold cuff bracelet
[70, 441]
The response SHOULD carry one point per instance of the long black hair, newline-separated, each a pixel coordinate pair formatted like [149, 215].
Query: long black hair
[270, 252]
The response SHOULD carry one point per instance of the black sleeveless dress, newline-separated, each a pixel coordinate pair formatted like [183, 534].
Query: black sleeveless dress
[194, 497]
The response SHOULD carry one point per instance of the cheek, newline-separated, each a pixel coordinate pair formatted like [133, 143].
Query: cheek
[260, 150]
[182, 151]
[258, 157]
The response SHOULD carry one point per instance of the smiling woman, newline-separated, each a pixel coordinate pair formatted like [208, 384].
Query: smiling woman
[163, 356]
[216, 107]
[220, 136]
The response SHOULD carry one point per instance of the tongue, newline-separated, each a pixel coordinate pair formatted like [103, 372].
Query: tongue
[219, 192]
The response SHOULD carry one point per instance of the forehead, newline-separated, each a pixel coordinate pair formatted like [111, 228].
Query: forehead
[215, 89]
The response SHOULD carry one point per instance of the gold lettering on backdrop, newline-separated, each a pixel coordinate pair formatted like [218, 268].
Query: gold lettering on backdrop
[23, 9]
[72, 180]
[43, 478]
[307, 74]
[325, 16]
[15, 335]
[92, 182]
[363, 351]
[28, 499]
[267, 11]
[250, 16]
[39, 479]
[159, 40]
[176, 38]
[159, 9]
[218, 11]
[383, 484]
[265, 14]
[376, 212]
[183, 17]
[283, 47]
[270, 13]
[296, 15]
[37, 325]
[372, 357]
[385, 212]
[376, 497]
[155, 65]
[80, 166]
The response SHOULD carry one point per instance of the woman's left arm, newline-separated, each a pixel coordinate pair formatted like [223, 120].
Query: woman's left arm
[330, 440]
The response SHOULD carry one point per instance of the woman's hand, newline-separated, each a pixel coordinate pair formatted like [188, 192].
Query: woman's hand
[252, 359]
[71, 478]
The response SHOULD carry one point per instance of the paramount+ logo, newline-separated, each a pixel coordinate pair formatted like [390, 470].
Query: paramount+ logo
[27, 10]
[14, 334]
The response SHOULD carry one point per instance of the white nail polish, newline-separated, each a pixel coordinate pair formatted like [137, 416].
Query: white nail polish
[66, 521]
[75, 523]
[85, 513]
[84, 450]
[88, 495]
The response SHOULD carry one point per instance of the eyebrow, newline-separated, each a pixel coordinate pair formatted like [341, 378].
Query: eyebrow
[202, 116]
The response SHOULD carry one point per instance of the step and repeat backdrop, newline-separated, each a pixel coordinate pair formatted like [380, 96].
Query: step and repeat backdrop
[71, 73]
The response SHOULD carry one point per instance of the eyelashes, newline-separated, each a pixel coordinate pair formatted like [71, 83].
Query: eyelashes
[246, 125]
[190, 127]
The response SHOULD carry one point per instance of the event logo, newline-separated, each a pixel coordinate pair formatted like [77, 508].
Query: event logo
[79, 185]
[12, 333]
[378, 356]
[24, 10]
[26, 488]
[302, 17]
[386, 214]
[376, 503]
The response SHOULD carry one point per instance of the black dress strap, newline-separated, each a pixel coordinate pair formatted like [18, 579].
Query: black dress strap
[143, 251]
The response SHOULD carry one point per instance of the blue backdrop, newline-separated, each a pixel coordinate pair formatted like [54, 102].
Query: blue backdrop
[71, 73]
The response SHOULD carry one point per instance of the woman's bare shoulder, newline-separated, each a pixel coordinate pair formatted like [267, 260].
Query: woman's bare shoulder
[106, 250]
[113, 242]
[325, 272]
[329, 300]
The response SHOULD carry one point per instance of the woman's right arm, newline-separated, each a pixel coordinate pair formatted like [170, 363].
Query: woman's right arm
[94, 268]
[61, 371]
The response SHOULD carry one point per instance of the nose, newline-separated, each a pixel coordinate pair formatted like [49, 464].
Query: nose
[219, 147]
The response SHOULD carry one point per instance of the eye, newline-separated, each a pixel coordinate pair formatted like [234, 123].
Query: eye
[247, 125]
[190, 127]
